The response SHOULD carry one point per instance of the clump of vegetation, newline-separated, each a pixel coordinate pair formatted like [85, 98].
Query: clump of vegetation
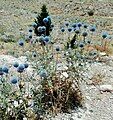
[54, 83]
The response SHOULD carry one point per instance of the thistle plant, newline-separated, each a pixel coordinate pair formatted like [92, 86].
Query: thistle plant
[54, 83]
[13, 104]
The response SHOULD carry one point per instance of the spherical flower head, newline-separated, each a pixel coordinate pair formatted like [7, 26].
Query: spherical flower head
[30, 36]
[84, 34]
[41, 38]
[43, 28]
[88, 41]
[45, 20]
[74, 25]
[26, 65]
[46, 39]
[93, 53]
[30, 30]
[43, 73]
[92, 29]
[34, 24]
[74, 29]
[16, 64]
[85, 26]
[79, 24]
[81, 45]
[39, 29]
[20, 68]
[52, 25]
[77, 31]
[104, 35]
[21, 42]
[1, 71]
[62, 30]
[57, 48]
[5, 69]
[34, 54]
[67, 24]
[48, 17]
[69, 29]
[14, 80]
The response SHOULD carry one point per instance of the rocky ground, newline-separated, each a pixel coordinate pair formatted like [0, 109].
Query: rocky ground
[97, 91]
[17, 15]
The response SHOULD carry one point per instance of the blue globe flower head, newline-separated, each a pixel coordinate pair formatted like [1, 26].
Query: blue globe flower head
[14, 80]
[81, 45]
[92, 28]
[30, 30]
[93, 53]
[67, 24]
[34, 24]
[21, 42]
[104, 35]
[34, 54]
[77, 31]
[43, 28]
[46, 39]
[84, 34]
[41, 38]
[74, 29]
[69, 29]
[5, 69]
[20, 68]
[43, 73]
[26, 65]
[88, 41]
[62, 30]
[1, 71]
[48, 17]
[57, 48]
[16, 64]
[79, 24]
[52, 26]
[45, 20]
[39, 29]
[30, 36]
[85, 26]
[74, 25]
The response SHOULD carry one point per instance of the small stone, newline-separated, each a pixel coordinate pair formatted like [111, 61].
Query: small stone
[16, 104]
[79, 116]
[65, 74]
[102, 53]
[20, 101]
[61, 66]
[71, 118]
[106, 88]
[91, 111]
[88, 98]
[25, 118]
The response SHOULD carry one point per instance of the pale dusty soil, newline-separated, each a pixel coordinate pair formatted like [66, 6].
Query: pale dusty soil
[16, 15]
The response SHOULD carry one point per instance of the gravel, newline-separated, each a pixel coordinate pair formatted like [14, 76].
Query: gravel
[98, 105]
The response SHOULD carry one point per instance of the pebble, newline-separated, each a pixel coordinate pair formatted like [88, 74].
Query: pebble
[65, 74]
[106, 88]
[16, 104]
[61, 66]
